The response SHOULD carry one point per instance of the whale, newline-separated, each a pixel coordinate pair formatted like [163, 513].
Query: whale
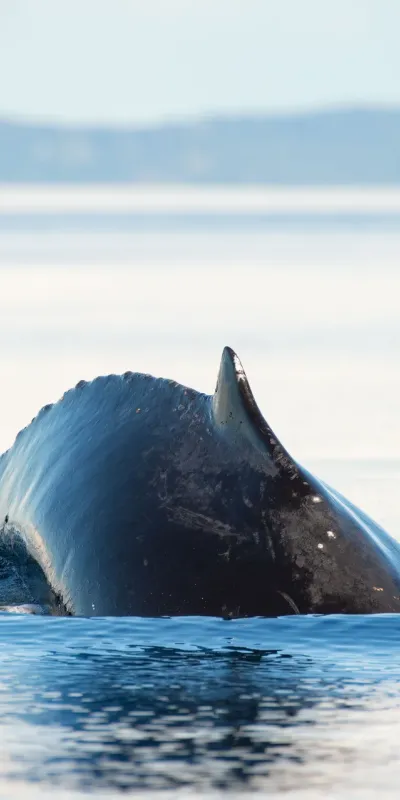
[138, 496]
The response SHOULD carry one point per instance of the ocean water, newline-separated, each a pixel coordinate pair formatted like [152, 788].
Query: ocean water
[296, 706]
[306, 288]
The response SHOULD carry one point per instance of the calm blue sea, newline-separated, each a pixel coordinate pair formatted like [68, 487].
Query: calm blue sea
[299, 705]
[296, 707]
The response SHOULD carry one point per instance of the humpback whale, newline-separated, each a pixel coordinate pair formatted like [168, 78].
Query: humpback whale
[135, 495]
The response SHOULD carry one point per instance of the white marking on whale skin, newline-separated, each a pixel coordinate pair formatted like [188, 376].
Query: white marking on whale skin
[201, 522]
[316, 499]
[162, 491]
[331, 535]
[227, 554]
[247, 501]
[290, 601]
[271, 549]
[320, 546]
[240, 373]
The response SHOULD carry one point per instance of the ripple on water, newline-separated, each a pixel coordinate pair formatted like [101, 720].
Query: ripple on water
[300, 704]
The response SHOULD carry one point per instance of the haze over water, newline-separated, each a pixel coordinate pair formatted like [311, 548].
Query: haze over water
[310, 302]
[305, 285]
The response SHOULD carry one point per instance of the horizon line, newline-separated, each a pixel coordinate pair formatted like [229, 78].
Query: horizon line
[201, 118]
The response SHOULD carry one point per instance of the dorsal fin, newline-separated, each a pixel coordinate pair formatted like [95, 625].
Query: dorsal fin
[236, 412]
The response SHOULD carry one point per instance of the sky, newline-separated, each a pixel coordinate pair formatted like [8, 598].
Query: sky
[140, 61]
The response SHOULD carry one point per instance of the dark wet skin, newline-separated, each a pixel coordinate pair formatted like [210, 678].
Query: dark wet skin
[138, 496]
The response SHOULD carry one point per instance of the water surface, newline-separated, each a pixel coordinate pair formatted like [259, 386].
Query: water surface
[297, 705]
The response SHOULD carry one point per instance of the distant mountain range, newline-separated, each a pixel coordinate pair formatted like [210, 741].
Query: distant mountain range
[325, 148]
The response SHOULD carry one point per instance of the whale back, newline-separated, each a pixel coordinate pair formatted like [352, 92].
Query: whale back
[138, 495]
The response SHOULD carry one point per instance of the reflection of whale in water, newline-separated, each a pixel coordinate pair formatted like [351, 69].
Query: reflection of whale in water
[98, 708]
[136, 495]
[160, 718]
